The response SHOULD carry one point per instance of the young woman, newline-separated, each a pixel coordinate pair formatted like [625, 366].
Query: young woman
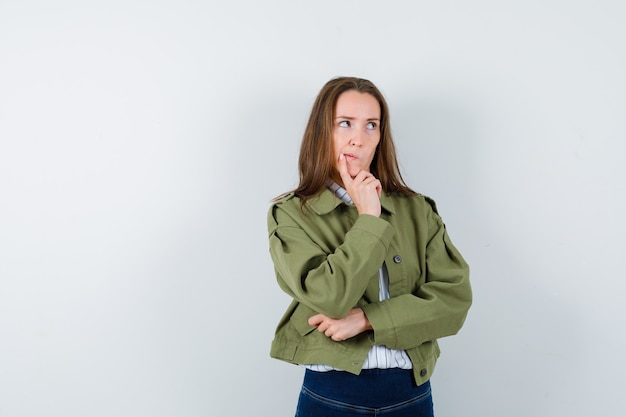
[374, 277]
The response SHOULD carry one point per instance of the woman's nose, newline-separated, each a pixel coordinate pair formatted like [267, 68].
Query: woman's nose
[356, 139]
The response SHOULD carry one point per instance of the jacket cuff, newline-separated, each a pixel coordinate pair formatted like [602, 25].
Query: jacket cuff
[384, 331]
[376, 226]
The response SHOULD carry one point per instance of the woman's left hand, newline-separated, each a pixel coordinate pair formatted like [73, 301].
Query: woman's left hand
[354, 323]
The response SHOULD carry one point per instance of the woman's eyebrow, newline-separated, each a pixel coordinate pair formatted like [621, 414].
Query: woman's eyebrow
[352, 118]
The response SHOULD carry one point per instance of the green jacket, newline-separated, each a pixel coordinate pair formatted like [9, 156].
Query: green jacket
[327, 259]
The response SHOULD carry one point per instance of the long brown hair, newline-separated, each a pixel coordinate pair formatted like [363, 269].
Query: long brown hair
[316, 161]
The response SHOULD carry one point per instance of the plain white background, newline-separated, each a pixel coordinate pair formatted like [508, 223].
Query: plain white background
[141, 143]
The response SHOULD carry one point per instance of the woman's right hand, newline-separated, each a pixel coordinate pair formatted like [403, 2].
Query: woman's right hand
[364, 189]
[353, 324]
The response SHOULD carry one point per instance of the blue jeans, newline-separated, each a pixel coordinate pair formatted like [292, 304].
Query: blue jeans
[375, 392]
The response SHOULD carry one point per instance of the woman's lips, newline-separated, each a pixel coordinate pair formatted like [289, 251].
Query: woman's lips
[350, 156]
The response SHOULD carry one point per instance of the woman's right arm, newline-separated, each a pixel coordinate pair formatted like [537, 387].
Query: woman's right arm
[329, 283]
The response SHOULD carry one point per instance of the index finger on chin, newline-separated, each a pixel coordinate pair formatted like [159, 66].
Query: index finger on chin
[343, 170]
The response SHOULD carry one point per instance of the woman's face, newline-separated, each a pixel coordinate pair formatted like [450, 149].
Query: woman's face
[356, 130]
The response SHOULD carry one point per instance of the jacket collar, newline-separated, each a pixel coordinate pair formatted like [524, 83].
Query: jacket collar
[326, 201]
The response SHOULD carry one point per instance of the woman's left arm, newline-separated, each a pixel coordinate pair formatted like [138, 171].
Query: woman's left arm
[437, 309]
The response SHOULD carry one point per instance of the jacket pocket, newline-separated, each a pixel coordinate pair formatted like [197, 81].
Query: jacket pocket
[300, 319]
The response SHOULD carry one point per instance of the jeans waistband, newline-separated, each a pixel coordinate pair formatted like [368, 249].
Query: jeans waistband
[371, 388]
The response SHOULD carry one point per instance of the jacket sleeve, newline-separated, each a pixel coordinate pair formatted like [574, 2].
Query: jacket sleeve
[329, 283]
[439, 306]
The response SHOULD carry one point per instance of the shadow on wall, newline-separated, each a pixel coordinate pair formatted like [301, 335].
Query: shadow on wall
[521, 339]
[434, 142]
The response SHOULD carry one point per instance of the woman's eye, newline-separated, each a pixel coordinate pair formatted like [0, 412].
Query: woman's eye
[344, 123]
[371, 125]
